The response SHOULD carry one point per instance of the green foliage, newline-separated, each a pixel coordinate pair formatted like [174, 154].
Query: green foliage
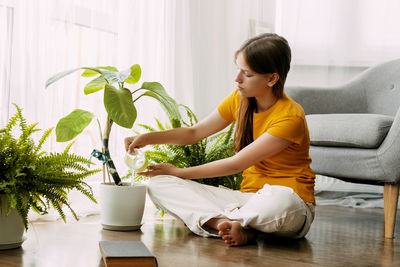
[210, 149]
[118, 100]
[73, 124]
[32, 178]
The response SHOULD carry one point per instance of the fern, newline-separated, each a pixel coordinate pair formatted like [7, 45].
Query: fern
[43, 139]
[34, 179]
[213, 148]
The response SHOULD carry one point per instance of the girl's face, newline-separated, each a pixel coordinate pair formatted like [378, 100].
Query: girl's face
[250, 83]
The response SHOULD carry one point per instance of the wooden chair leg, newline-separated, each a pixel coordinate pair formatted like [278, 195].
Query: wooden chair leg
[390, 198]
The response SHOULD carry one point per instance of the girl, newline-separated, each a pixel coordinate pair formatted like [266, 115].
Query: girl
[271, 145]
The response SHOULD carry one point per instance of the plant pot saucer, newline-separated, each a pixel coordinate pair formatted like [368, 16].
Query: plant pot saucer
[13, 245]
[121, 228]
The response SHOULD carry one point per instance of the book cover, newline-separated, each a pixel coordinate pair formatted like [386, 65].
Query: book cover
[126, 253]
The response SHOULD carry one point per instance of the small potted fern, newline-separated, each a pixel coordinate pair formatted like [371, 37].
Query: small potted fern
[31, 178]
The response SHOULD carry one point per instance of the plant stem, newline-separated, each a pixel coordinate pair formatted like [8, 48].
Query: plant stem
[136, 90]
[111, 167]
[107, 130]
[138, 98]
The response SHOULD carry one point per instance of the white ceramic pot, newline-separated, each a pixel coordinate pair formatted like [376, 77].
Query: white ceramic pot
[11, 227]
[122, 207]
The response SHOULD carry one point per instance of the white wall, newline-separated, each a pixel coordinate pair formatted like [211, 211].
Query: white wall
[218, 28]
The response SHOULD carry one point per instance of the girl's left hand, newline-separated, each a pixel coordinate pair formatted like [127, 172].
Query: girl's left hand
[160, 169]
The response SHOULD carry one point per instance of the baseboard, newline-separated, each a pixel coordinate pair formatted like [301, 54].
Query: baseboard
[324, 183]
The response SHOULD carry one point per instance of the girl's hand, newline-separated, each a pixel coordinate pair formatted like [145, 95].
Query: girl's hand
[161, 169]
[133, 142]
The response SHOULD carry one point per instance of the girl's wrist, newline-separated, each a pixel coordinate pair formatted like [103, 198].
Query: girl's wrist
[180, 172]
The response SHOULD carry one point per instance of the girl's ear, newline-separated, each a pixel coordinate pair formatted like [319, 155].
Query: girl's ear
[272, 79]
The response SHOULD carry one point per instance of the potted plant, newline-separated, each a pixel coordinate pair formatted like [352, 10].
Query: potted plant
[118, 212]
[34, 179]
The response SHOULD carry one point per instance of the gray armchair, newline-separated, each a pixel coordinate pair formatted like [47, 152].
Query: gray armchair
[355, 131]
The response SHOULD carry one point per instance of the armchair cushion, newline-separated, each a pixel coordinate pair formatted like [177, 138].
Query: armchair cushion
[348, 130]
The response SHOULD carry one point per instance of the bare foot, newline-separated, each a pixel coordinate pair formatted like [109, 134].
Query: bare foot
[234, 234]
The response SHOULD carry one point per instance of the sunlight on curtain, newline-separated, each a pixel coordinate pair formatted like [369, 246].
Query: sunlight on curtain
[6, 18]
[52, 36]
[55, 35]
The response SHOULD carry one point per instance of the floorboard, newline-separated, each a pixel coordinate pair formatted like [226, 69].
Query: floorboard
[338, 237]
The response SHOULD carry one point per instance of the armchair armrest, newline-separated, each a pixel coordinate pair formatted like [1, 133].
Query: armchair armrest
[348, 98]
[389, 152]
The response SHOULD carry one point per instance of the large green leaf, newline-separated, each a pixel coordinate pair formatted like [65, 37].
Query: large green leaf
[114, 77]
[59, 75]
[112, 68]
[123, 75]
[157, 91]
[119, 106]
[90, 73]
[110, 76]
[62, 74]
[73, 124]
[95, 85]
[136, 73]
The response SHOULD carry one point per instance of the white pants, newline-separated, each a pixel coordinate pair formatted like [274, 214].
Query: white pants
[272, 209]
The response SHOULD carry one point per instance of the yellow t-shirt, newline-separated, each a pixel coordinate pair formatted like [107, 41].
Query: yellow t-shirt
[290, 167]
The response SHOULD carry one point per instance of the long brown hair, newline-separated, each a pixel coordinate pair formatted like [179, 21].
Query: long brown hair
[265, 53]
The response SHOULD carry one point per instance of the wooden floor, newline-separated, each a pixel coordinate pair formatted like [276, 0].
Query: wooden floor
[339, 237]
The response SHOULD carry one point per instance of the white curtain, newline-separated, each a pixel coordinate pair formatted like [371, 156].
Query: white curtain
[42, 37]
[6, 18]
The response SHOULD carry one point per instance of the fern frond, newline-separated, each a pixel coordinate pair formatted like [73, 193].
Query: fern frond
[72, 211]
[30, 129]
[68, 147]
[192, 117]
[160, 126]
[22, 209]
[40, 205]
[12, 122]
[147, 127]
[55, 202]
[167, 126]
[43, 139]
[87, 192]
[229, 133]
[156, 156]
[22, 123]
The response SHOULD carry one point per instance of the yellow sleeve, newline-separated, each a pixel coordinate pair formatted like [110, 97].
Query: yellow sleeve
[289, 128]
[228, 107]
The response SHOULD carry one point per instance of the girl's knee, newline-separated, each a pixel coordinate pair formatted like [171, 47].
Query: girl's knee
[161, 181]
[274, 201]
